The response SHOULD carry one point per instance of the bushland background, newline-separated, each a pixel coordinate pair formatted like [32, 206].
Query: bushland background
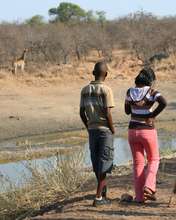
[61, 54]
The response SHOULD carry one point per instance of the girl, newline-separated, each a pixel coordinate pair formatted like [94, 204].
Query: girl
[142, 135]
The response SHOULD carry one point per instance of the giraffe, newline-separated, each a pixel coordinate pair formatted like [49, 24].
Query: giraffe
[20, 62]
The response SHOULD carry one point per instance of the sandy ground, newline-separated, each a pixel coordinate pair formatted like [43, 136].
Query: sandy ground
[31, 106]
[44, 107]
[79, 206]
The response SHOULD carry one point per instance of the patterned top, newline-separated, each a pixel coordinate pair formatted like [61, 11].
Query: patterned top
[95, 97]
[141, 101]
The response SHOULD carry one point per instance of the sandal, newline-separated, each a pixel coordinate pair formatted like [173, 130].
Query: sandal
[149, 194]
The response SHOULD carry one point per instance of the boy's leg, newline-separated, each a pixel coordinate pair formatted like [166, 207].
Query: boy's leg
[105, 160]
[104, 190]
[101, 147]
[101, 185]
[100, 198]
[94, 150]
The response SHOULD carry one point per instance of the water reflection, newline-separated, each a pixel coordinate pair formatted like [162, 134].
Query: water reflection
[16, 171]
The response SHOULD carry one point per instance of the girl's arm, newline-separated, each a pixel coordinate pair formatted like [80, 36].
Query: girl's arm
[127, 104]
[161, 105]
[127, 108]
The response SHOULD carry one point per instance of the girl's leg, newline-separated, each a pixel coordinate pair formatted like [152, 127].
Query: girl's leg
[150, 144]
[138, 165]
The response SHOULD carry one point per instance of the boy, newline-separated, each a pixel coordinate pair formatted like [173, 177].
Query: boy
[95, 112]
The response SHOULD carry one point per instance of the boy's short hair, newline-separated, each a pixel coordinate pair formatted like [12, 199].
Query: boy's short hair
[100, 67]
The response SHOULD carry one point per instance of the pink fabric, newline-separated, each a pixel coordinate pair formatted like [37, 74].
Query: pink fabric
[141, 142]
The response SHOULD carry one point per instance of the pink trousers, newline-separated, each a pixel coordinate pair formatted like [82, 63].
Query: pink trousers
[144, 142]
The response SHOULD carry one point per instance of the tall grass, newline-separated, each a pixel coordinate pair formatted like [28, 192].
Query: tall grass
[46, 185]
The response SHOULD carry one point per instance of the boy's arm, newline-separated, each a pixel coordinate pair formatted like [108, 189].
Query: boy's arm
[82, 111]
[109, 119]
[109, 104]
[83, 116]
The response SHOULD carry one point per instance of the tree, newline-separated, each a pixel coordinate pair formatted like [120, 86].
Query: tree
[35, 20]
[144, 35]
[90, 16]
[101, 17]
[67, 12]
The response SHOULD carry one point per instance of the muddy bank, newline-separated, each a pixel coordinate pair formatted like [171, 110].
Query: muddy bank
[48, 145]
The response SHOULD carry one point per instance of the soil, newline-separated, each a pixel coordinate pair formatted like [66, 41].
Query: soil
[45, 108]
[79, 206]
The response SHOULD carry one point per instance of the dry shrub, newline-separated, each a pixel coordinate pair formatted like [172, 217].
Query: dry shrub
[43, 187]
[57, 44]
[73, 170]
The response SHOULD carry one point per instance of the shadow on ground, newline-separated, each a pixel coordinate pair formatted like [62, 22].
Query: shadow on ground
[82, 202]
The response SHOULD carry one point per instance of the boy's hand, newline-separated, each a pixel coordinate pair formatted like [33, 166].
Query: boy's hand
[113, 131]
[109, 119]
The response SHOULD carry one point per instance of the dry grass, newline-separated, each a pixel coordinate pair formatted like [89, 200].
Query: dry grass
[44, 186]
[167, 153]
[123, 66]
[14, 156]
[166, 69]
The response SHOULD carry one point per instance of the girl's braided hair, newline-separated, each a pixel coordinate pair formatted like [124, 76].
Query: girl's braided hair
[145, 77]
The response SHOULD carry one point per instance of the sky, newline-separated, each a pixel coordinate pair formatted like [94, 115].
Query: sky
[19, 10]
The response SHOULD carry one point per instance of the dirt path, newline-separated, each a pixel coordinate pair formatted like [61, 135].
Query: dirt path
[79, 207]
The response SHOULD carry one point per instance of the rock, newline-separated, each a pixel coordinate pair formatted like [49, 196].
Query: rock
[14, 117]
[126, 198]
